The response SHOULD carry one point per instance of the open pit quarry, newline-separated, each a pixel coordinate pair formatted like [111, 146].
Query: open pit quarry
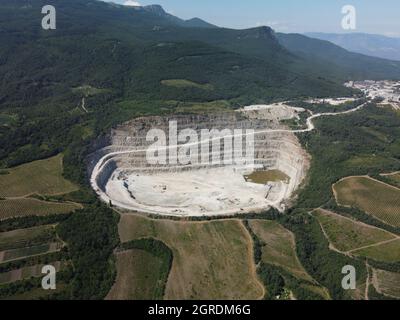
[123, 175]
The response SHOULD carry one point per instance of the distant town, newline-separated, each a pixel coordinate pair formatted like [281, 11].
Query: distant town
[387, 91]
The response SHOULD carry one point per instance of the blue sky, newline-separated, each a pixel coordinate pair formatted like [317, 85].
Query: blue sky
[373, 16]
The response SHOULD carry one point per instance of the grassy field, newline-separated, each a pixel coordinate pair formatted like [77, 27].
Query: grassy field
[28, 207]
[14, 254]
[211, 260]
[346, 234]
[183, 83]
[42, 177]
[387, 283]
[26, 237]
[367, 161]
[375, 198]
[394, 179]
[262, 177]
[203, 107]
[138, 276]
[386, 252]
[279, 248]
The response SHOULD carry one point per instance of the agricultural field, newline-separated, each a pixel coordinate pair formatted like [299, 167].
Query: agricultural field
[346, 234]
[387, 283]
[386, 252]
[375, 198]
[27, 237]
[28, 272]
[394, 178]
[19, 253]
[279, 247]
[134, 281]
[201, 253]
[22, 207]
[42, 177]
[183, 83]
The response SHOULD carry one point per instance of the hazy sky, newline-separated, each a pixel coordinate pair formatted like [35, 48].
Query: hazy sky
[373, 16]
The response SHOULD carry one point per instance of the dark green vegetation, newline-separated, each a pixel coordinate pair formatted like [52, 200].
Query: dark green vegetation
[91, 235]
[341, 147]
[117, 53]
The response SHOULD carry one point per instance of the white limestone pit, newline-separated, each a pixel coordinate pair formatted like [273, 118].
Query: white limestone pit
[122, 175]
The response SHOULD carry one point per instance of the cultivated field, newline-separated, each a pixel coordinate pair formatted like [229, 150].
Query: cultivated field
[346, 234]
[138, 276]
[394, 178]
[14, 254]
[375, 198]
[387, 252]
[11, 208]
[211, 260]
[27, 237]
[387, 283]
[42, 177]
[279, 248]
[28, 272]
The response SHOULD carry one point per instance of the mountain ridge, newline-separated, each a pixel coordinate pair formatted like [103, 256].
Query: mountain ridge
[369, 44]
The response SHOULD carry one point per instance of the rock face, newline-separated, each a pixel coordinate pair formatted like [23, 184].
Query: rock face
[209, 182]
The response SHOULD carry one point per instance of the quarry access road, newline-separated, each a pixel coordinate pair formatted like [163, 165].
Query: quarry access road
[103, 161]
[107, 158]
[309, 122]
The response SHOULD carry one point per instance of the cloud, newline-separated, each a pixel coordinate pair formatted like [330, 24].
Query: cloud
[132, 3]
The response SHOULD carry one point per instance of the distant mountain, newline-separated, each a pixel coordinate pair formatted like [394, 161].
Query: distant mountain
[198, 23]
[368, 44]
[130, 50]
[328, 58]
[124, 53]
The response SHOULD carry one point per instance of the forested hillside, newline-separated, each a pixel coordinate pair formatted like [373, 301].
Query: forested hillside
[122, 55]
